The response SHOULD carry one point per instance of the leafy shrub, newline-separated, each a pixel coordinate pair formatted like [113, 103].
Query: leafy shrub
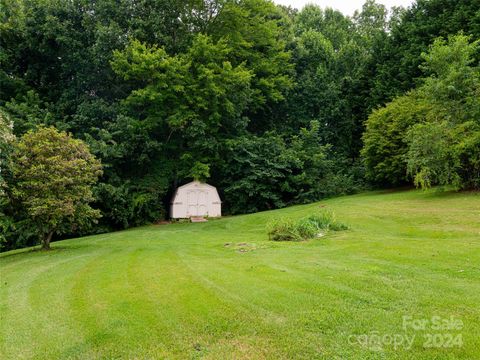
[283, 229]
[298, 169]
[384, 140]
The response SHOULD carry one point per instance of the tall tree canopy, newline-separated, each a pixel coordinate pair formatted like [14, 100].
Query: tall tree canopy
[398, 58]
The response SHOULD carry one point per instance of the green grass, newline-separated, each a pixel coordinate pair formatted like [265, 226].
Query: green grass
[221, 290]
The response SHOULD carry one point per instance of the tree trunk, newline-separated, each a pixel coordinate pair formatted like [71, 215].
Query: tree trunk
[46, 241]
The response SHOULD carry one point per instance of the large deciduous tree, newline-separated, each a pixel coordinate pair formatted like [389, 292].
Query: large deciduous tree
[432, 132]
[52, 178]
[187, 103]
[332, 53]
[446, 150]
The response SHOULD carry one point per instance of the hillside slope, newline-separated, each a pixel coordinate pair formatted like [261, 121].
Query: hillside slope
[221, 290]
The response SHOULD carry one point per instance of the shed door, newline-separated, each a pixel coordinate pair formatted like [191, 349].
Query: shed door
[197, 203]
[192, 203]
[202, 203]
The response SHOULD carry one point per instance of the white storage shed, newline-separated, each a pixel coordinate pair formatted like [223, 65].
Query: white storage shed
[195, 199]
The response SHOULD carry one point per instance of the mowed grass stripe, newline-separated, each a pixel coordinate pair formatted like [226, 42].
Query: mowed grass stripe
[37, 305]
[221, 290]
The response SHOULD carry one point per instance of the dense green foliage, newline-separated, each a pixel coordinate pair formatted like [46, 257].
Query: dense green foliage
[385, 143]
[6, 148]
[431, 133]
[397, 60]
[273, 171]
[227, 91]
[6, 141]
[50, 186]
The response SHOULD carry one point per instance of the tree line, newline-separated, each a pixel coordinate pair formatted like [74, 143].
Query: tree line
[273, 105]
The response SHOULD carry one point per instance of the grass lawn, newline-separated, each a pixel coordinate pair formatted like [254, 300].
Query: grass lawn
[221, 290]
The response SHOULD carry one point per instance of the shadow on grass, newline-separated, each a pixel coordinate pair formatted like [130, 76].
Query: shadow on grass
[435, 192]
[38, 250]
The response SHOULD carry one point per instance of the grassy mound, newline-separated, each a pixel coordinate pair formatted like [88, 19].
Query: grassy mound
[222, 290]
